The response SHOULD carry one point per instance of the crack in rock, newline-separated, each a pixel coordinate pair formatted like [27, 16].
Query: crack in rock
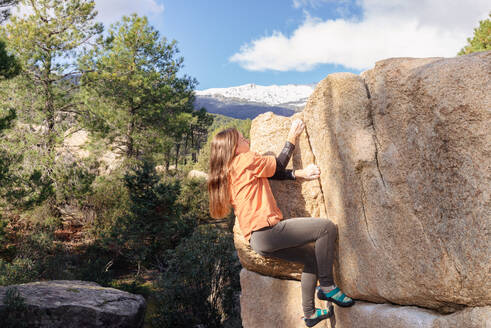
[365, 215]
[315, 161]
[375, 139]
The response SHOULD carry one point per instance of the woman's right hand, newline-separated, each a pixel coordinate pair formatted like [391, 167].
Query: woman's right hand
[311, 172]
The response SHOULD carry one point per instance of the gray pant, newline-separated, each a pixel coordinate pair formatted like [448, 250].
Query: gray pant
[290, 239]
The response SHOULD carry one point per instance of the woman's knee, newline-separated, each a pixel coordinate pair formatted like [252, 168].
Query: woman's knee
[329, 228]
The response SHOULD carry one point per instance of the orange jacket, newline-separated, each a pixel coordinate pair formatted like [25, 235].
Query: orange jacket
[250, 192]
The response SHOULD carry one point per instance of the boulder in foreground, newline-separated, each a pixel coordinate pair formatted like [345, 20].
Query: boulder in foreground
[77, 304]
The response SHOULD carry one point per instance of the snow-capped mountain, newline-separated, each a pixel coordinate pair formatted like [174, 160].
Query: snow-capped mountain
[250, 100]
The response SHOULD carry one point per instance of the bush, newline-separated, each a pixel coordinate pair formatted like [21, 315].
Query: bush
[193, 198]
[3, 233]
[200, 283]
[109, 201]
[150, 223]
[36, 256]
[21, 270]
[73, 182]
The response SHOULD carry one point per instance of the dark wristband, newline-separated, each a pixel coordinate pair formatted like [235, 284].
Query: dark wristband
[282, 161]
[285, 154]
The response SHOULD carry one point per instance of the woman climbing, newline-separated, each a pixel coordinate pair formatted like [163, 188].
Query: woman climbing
[239, 178]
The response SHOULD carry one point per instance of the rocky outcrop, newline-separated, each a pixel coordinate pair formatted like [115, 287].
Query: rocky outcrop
[404, 153]
[268, 135]
[266, 300]
[77, 304]
[404, 156]
[196, 174]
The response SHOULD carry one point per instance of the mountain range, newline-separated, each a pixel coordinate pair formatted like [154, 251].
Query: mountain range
[250, 100]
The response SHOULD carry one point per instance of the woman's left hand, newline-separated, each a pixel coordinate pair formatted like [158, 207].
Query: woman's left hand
[311, 172]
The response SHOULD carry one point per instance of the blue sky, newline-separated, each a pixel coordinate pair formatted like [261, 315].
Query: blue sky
[210, 32]
[233, 42]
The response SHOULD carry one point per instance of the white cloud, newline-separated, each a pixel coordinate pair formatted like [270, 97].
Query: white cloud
[397, 28]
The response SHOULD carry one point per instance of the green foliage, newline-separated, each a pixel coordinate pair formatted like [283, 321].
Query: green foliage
[194, 201]
[224, 122]
[193, 198]
[21, 270]
[199, 284]
[131, 90]
[3, 225]
[199, 130]
[46, 44]
[73, 182]
[134, 286]
[109, 200]
[9, 67]
[14, 306]
[153, 222]
[36, 256]
[94, 264]
[5, 159]
[481, 40]
[131, 98]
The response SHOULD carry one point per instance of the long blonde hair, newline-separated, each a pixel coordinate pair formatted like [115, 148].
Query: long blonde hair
[223, 147]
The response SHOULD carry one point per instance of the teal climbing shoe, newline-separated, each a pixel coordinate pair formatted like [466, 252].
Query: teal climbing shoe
[320, 314]
[336, 296]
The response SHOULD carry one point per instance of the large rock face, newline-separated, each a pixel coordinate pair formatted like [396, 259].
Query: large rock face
[295, 198]
[77, 304]
[404, 153]
[270, 302]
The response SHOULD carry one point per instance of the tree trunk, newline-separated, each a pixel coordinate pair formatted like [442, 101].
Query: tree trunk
[186, 148]
[129, 135]
[193, 151]
[167, 160]
[178, 146]
[49, 106]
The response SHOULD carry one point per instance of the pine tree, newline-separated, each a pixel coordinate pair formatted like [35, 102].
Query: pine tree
[481, 40]
[46, 44]
[132, 91]
[9, 66]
